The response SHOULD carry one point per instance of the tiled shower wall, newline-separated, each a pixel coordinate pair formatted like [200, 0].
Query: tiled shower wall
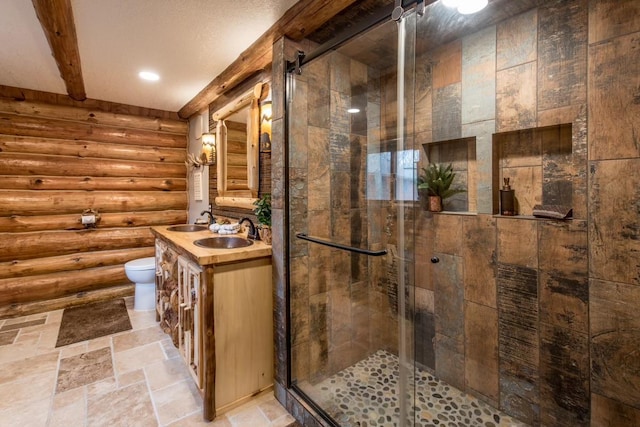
[537, 316]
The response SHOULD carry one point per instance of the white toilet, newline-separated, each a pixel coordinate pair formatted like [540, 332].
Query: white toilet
[142, 272]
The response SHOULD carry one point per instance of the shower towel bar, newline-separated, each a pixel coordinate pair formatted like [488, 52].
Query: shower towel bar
[303, 236]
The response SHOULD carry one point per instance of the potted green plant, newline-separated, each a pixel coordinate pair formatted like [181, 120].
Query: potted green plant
[436, 180]
[263, 213]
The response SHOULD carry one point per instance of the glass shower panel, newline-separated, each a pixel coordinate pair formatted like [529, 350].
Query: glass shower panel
[351, 171]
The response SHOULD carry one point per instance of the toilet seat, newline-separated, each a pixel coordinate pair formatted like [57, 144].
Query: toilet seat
[141, 264]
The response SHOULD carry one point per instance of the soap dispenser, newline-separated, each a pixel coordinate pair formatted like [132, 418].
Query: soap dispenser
[507, 199]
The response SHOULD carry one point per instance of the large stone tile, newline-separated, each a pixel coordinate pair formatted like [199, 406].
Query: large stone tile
[166, 372]
[563, 247]
[129, 340]
[449, 298]
[615, 339]
[30, 414]
[41, 364]
[516, 98]
[448, 234]
[27, 389]
[564, 301]
[517, 40]
[607, 412]
[614, 228]
[447, 112]
[447, 67]
[137, 357]
[481, 350]
[177, 401]
[518, 242]
[479, 76]
[613, 106]
[83, 369]
[562, 53]
[612, 18]
[564, 377]
[107, 410]
[479, 254]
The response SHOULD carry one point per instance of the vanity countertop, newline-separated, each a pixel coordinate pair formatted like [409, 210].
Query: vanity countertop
[208, 256]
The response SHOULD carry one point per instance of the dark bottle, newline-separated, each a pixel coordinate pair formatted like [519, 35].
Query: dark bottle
[507, 200]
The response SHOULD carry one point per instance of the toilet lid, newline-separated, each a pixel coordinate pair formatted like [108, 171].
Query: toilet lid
[141, 264]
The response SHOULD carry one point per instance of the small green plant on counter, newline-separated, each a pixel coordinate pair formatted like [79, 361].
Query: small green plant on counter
[263, 210]
[436, 179]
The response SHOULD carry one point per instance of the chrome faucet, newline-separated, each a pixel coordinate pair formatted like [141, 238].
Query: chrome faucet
[252, 233]
[212, 219]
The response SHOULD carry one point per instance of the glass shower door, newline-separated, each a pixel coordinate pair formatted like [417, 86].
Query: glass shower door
[352, 174]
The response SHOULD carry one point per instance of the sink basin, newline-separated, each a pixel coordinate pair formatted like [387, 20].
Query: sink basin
[226, 242]
[187, 228]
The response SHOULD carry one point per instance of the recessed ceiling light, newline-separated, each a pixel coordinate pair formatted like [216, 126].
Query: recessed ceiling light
[353, 110]
[148, 75]
[466, 7]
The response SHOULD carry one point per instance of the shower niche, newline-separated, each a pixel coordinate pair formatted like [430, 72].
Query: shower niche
[539, 165]
[461, 154]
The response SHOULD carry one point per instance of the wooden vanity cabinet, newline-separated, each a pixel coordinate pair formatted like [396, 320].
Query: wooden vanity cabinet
[220, 317]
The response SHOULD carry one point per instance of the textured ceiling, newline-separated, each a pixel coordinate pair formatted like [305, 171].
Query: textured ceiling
[187, 42]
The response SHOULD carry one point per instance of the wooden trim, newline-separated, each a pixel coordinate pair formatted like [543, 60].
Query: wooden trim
[299, 21]
[56, 18]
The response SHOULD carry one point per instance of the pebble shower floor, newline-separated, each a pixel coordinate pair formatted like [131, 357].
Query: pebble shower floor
[366, 395]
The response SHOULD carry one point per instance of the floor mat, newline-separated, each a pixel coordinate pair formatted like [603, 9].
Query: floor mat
[89, 321]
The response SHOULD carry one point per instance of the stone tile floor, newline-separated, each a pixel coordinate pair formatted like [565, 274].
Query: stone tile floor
[132, 378]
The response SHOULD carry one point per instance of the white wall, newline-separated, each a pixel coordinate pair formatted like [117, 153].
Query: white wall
[198, 123]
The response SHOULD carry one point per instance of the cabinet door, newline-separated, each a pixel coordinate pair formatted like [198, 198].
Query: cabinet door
[189, 316]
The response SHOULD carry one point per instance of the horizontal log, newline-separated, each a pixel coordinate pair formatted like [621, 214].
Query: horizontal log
[21, 246]
[236, 160]
[88, 183]
[27, 308]
[237, 185]
[99, 150]
[237, 147]
[56, 285]
[66, 202]
[21, 224]
[93, 116]
[236, 173]
[70, 262]
[22, 94]
[13, 124]
[32, 164]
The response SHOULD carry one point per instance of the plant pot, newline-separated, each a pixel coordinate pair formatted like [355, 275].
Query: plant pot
[265, 234]
[435, 204]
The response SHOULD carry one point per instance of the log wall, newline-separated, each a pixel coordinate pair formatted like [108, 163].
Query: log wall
[59, 157]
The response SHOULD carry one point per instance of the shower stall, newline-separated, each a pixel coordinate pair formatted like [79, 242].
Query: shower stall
[376, 332]
[351, 175]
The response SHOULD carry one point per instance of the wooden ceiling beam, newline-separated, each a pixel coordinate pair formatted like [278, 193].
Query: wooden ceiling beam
[299, 21]
[56, 19]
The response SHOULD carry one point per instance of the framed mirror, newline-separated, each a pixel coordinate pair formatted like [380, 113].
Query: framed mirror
[237, 136]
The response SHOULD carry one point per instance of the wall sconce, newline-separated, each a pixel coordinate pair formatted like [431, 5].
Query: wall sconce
[265, 126]
[210, 149]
